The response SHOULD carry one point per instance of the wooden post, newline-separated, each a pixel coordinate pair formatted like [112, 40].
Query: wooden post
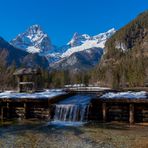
[25, 111]
[8, 110]
[2, 112]
[104, 111]
[20, 79]
[34, 83]
[131, 113]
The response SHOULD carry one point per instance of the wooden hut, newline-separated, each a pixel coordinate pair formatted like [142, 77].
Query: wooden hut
[27, 79]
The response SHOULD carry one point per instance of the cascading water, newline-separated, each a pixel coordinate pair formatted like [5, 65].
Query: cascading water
[72, 110]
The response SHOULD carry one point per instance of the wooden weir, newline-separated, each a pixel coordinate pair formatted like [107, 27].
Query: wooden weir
[41, 108]
[103, 110]
[122, 110]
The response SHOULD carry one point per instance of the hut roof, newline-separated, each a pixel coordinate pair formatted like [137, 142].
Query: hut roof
[27, 71]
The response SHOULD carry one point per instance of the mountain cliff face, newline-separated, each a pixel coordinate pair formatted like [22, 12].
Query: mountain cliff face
[21, 58]
[126, 55]
[33, 40]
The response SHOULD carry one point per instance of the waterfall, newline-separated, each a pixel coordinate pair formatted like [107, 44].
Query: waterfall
[71, 112]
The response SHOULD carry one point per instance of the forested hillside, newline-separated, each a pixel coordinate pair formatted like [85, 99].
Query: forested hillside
[125, 62]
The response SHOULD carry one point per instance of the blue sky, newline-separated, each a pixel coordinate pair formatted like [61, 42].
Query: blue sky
[61, 18]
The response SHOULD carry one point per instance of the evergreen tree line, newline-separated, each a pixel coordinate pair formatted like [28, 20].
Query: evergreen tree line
[57, 79]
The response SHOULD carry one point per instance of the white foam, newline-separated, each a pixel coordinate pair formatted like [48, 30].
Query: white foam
[66, 123]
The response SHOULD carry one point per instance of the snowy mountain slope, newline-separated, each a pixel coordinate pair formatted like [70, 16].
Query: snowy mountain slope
[86, 45]
[33, 40]
[83, 42]
[82, 60]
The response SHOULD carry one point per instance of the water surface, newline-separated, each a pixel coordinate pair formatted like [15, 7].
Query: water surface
[36, 134]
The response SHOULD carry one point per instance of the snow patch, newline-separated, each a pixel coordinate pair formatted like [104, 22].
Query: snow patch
[32, 49]
[120, 45]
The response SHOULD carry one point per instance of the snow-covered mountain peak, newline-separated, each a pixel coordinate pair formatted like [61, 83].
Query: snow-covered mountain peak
[35, 29]
[33, 40]
[78, 39]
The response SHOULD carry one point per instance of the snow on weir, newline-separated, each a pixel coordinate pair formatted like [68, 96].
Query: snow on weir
[83, 87]
[125, 95]
[45, 94]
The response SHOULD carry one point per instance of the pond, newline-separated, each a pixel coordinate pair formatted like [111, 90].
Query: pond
[37, 134]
